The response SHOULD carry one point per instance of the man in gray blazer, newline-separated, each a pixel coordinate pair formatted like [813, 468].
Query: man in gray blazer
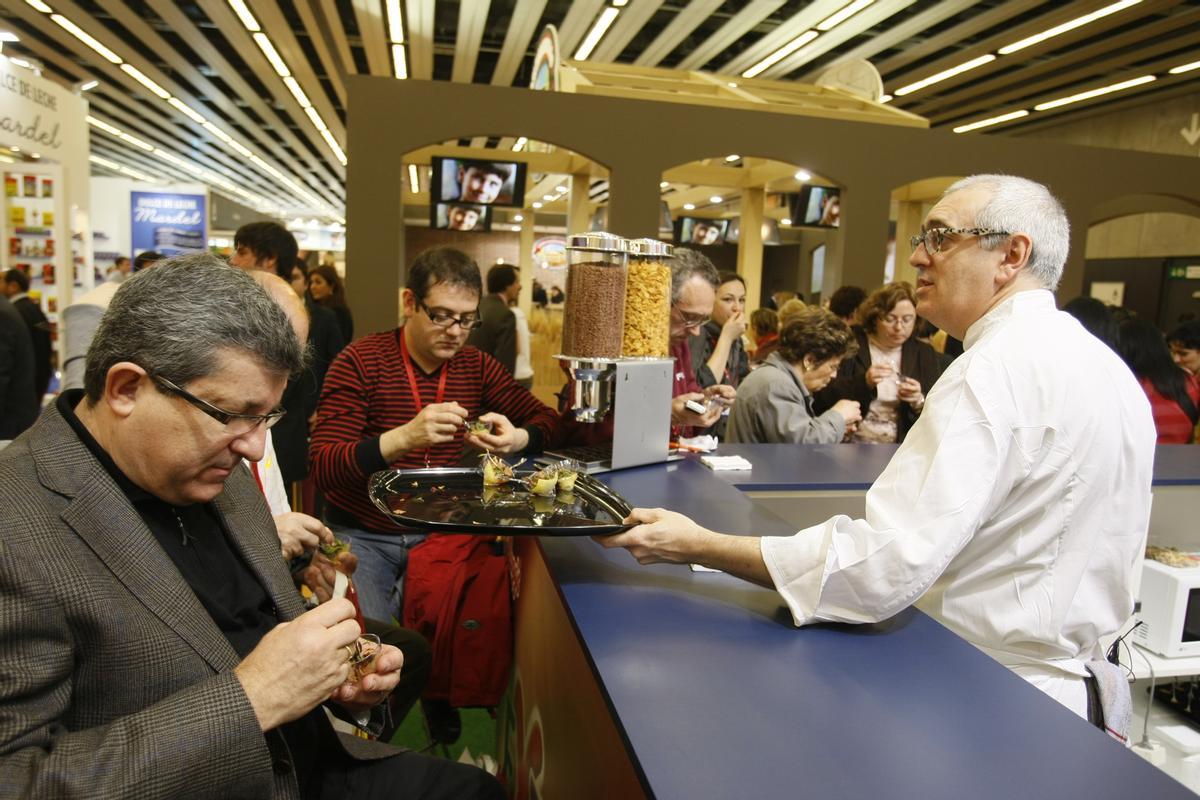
[154, 644]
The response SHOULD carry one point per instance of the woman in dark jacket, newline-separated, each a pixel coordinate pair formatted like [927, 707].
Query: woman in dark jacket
[892, 372]
[325, 288]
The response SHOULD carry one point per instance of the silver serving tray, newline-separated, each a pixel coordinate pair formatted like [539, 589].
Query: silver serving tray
[455, 499]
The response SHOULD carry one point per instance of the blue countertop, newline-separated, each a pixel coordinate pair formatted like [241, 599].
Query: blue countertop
[817, 467]
[719, 696]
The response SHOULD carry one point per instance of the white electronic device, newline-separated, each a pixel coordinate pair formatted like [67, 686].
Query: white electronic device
[1170, 610]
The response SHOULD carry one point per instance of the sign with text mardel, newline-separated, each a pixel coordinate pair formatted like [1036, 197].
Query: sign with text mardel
[168, 223]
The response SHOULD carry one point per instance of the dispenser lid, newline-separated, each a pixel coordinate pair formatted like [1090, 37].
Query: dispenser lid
[651, 247]
[597, 241]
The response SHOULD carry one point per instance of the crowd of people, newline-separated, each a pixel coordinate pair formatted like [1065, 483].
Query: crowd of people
[156, 567]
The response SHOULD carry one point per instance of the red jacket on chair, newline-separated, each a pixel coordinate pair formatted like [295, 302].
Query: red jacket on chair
[456, 594]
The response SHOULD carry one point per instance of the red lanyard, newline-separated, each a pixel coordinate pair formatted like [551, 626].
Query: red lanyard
[411, 370]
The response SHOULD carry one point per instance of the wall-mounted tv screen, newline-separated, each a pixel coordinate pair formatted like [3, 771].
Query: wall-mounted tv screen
[485, 183]
[819, 206]
[460, 217]
[770, 231]
[698, 231]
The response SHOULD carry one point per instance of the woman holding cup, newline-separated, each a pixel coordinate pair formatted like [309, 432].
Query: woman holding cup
[892, 371]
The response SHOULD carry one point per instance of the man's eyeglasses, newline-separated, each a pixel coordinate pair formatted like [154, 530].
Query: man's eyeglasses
[692, 321]
[934, 238]
[468, 322]
[235, 424]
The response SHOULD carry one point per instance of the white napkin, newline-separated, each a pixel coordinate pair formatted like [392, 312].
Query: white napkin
[725, 462]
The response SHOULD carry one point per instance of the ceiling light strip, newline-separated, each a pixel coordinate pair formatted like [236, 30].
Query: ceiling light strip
[395, 22]
[781, 53]
[1182, 68]
[1070, 25]
[170, 157]
[844, 14]
[399, 62]
[268, 50]
[966, 66]
[243, 13]
[1088, 95]
[414, 179]
[140, 77]
[984, 123]
[600, 27]
[40, 6]
[85, 37]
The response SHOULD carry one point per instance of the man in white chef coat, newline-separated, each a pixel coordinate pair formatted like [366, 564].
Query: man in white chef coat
[1015, 511]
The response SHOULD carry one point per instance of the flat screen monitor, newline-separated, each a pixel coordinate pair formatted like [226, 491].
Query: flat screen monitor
[700, 232]
[460, 217]
[817, 206]
[770, 231]
[485, 183]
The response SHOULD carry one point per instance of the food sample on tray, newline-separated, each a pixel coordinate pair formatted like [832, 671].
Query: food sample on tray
[544, 481]
[477, 426]
[567, 473]
[495, 470]
[364, 653]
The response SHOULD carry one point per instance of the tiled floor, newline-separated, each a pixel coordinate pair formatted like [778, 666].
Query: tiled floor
[1186, 772]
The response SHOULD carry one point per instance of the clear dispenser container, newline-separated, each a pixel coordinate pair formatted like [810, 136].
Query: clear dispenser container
[593, 319]
[647, 331]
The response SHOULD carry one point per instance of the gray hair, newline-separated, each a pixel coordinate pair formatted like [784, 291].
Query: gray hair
[1019, 205]
[174, 319]
[686, 264]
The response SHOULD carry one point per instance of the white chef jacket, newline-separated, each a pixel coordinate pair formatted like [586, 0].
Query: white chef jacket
[1015, 511]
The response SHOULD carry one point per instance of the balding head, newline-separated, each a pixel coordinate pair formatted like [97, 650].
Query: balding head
[281, 292]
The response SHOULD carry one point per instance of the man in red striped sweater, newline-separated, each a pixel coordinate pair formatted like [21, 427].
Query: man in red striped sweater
[400, 399]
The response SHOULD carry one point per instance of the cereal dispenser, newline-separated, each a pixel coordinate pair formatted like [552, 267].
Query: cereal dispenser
[615, 340]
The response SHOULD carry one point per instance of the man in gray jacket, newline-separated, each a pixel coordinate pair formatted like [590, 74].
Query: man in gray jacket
[154, 645]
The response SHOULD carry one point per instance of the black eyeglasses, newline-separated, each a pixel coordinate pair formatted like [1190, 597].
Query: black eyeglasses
[934, 238]
[235, 424]
[690, 321]
[468, 322]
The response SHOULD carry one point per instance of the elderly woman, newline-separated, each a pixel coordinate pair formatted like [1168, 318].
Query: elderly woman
[718, 355]
[892, 372]
[775, 402]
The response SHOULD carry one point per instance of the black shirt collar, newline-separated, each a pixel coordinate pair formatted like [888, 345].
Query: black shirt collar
[66, 403]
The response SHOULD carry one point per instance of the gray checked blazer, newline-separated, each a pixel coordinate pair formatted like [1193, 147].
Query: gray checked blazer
[114, 680]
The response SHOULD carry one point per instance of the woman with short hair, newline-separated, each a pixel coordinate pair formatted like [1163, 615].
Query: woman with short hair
[892, 371]
[775, 402]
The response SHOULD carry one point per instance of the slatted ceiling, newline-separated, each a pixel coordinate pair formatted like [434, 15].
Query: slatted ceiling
[951, 39]
[576, 24]
[738, 26]
[893, 35]
[472, 15]
[1008, 35]
[631, 20]
[418, 32]
[302, 70]
[199, 51]
[518, 38]
[225, 103]
[328, 52]
[789, 29]
[325, 28]
[867, 18]
[1070, 82]
[686, 21]
[372, 31]
[1167, 33]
